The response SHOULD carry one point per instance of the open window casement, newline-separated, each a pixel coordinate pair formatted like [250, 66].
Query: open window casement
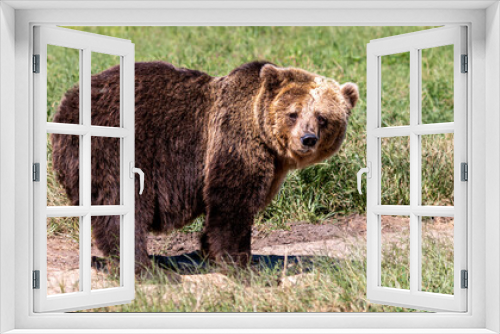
[419, 129]
[82, 294]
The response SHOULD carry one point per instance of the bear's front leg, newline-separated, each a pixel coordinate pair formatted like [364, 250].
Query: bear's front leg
[237, 184]
[227, 235]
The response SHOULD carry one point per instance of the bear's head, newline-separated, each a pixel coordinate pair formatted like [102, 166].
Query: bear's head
[304, 115]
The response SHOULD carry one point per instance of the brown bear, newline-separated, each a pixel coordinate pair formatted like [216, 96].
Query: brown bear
[219, 146]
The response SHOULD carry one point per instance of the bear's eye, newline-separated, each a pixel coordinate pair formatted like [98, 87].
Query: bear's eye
[321, 120]
[293, 116]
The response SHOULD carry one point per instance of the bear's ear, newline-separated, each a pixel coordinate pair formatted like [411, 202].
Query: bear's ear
[350, 92]
[272, 75]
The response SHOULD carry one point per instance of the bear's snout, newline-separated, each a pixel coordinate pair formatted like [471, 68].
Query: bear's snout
[309, 140]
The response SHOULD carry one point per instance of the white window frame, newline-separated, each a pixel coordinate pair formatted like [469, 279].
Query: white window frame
[85, 44]
[483, 129]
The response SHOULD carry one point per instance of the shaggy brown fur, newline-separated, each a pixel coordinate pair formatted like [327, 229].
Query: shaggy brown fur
[214, 146]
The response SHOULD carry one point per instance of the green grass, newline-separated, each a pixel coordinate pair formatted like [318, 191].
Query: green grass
[326, 288]
[331, 286]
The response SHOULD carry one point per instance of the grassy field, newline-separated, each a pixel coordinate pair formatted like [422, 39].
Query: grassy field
[326, 285]
[331, 286]
[325, 191]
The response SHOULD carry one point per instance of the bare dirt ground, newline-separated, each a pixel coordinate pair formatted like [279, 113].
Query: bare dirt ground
[336, 238]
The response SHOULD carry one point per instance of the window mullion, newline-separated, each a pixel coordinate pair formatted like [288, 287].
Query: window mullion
[86, 166]
[80, 185]
[415, 171]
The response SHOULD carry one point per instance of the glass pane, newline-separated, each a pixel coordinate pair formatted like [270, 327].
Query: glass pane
[63, 74]
[395, 90]
[105, 272]
[105, 90]
[437, 254]
[63, 255]
[437, 169]
[105, 171]
[437, 84]
[395, 260]
[395, 180]
[63, 172]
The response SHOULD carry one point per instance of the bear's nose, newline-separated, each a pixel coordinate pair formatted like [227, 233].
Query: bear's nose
[309, 140]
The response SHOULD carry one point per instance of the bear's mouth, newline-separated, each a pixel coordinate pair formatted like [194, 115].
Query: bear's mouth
[304, 151]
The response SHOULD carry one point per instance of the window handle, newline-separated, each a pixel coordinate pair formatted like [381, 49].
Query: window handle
[368, 171]
[133, 170]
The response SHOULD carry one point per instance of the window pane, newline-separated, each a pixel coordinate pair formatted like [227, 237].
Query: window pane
[395, 181]
[105, 90]
[63, 255]
[395, 260]
[105, 271]
[395, 90]
[437, 84]
[63, 74]
[437, 254]
[63, 172]
[105, 171]
[437, 169]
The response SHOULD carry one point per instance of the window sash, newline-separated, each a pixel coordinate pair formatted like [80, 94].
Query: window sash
[86, 44]
[413, 43]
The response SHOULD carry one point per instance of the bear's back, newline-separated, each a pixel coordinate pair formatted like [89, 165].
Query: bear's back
[166, 70]
[170, 92]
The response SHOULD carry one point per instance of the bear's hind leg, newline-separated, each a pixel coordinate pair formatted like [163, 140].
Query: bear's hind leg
[144, 218]
[106, 237]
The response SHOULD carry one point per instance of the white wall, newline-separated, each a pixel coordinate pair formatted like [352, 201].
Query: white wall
[7, 54]
[492, 165]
